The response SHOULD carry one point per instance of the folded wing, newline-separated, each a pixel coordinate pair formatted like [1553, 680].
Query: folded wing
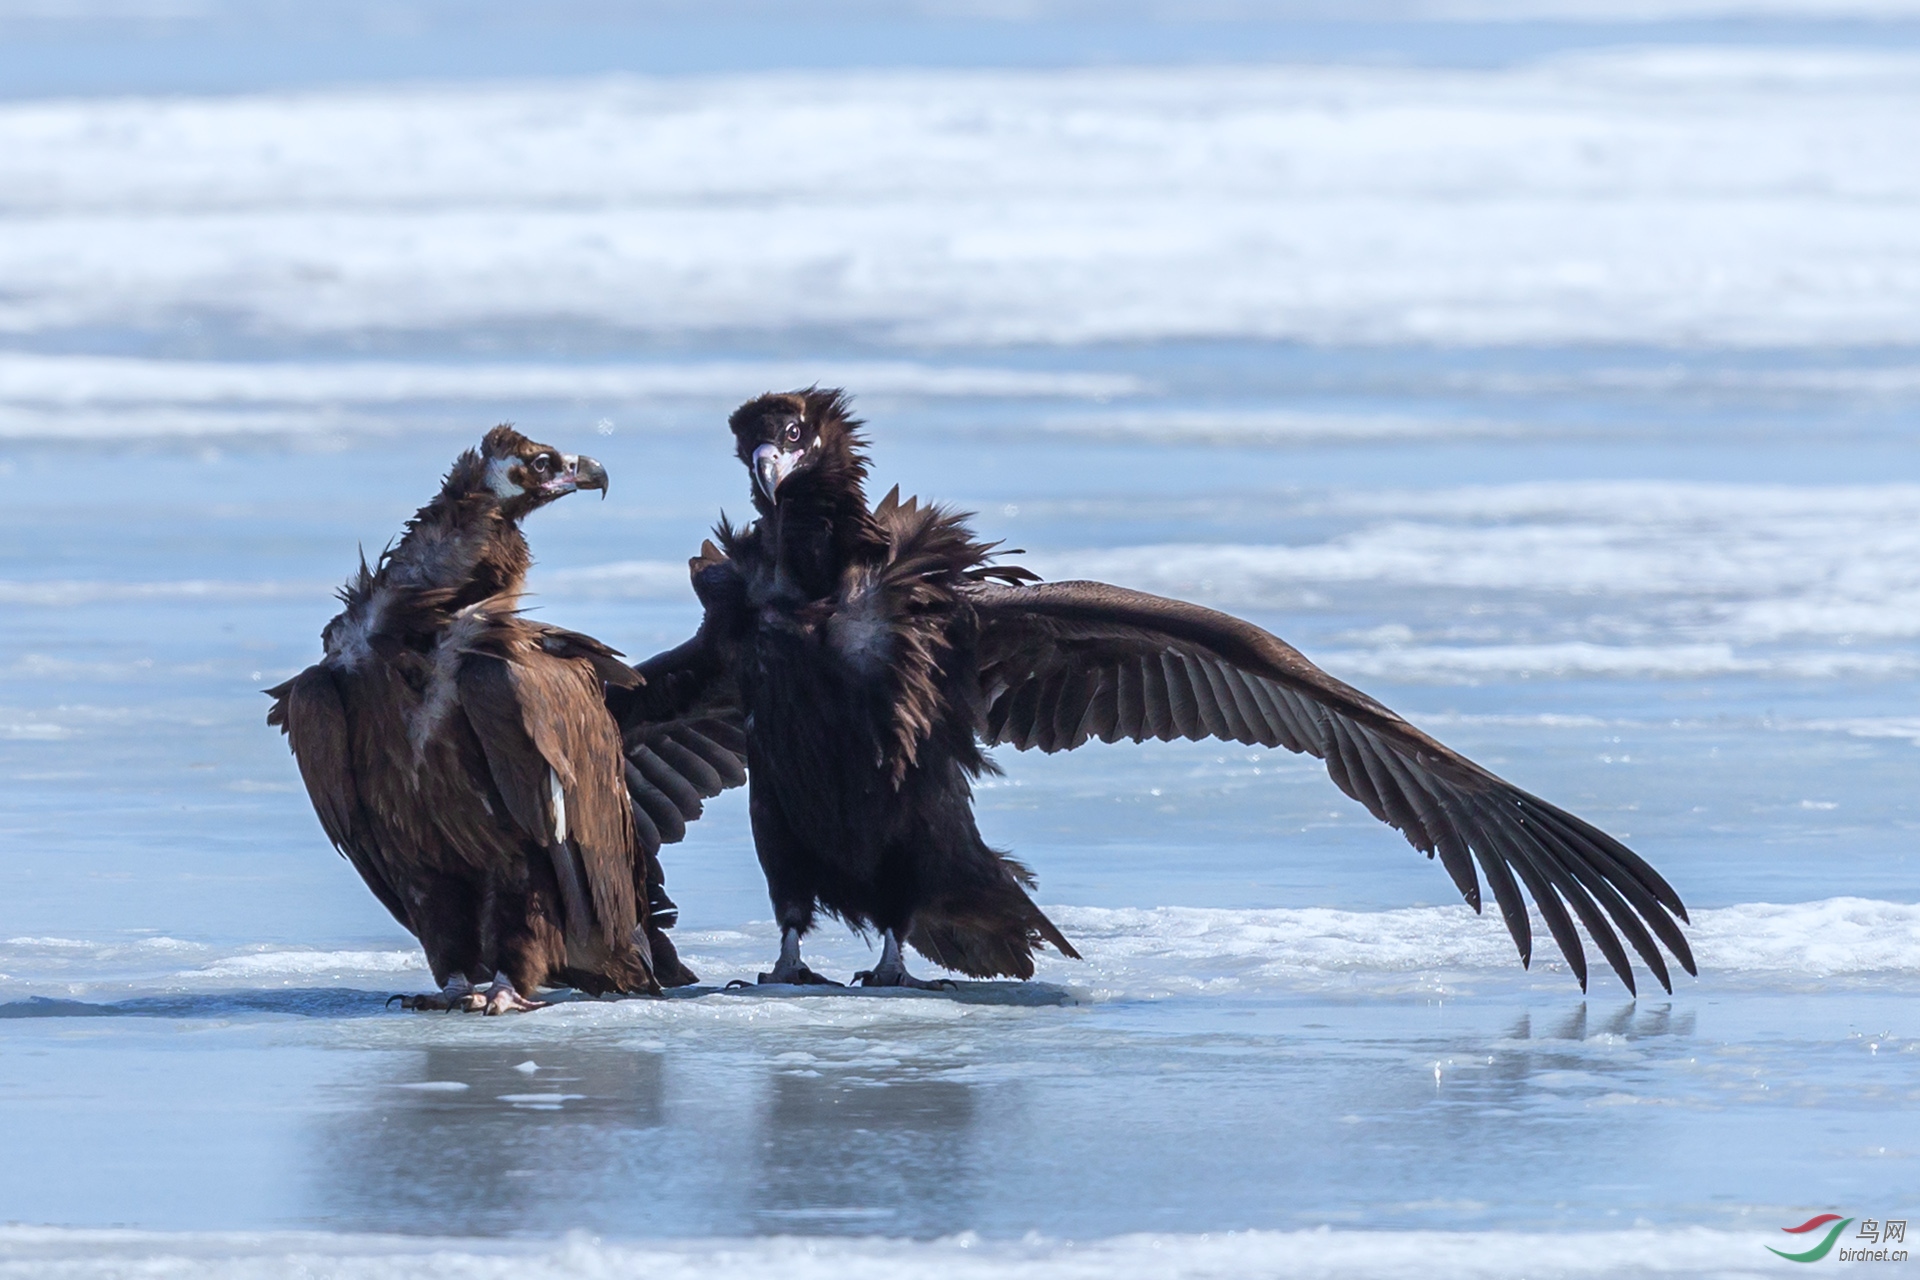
[1063, 663]
[533, 697]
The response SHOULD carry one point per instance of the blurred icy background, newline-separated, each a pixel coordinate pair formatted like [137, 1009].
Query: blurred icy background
[1550, 370]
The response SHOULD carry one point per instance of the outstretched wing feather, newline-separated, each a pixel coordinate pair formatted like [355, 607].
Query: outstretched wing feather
[683, 727]
[1066, 662]
[309, 710]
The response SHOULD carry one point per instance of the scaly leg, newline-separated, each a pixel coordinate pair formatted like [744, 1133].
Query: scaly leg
[789, 885]
[892, 970]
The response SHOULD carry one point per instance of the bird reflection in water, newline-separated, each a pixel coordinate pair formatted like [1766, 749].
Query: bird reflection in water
[466, 1140]
[868, 1151]
[1577, 1054]
[1630, 1021]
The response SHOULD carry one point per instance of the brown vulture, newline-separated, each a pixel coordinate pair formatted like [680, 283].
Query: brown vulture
[462, 757]
[869, 654]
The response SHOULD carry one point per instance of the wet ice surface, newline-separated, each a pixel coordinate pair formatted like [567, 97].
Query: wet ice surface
[1180, 1081]
[1671, 587]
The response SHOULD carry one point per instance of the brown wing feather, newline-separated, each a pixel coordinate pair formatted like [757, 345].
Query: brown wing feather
[1158, 668]
[308, 710]
[604, 661]
[541, 718]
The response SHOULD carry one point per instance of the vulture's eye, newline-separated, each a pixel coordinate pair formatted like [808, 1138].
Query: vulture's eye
[540, 464]
[792, 432]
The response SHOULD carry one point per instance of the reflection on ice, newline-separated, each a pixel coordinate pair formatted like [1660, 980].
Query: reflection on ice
[417, 1152]
[867, 1150]
[740, 1115]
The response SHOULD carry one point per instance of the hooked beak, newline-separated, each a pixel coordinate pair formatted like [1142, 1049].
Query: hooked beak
[582, 472]
[771, 466]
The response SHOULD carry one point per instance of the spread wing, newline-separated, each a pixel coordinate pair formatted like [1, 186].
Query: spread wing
[1065, 662]
[685, 739]
[683, 726]
[533, 696]
[309, 710]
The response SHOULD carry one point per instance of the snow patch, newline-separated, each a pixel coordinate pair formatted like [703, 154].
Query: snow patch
[267, 966]
[1131, 952]
[1219, 949]
[1321, 1252]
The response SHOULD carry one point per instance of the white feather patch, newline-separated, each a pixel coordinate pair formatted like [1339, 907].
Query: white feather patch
[559, 806]
[351, 642]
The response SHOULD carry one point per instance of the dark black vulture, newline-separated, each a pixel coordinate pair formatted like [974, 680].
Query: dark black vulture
[463, 758]
[870, 653]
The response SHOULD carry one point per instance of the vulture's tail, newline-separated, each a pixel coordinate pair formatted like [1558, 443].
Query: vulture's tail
[990, 932]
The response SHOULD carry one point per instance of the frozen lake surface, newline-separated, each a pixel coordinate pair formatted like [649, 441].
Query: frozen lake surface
[1565, 400]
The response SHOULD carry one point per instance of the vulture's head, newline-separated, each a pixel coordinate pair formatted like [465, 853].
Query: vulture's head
[798, 441]
[525, 475]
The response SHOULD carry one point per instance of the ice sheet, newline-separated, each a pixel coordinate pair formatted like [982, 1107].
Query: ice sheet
[1130, 953]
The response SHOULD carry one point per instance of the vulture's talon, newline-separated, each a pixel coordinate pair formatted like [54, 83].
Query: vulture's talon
[504, 997]
[437, 1002]
[789, 970]
[901, 978]
[892, 970]
[457, 994]
[800, 976]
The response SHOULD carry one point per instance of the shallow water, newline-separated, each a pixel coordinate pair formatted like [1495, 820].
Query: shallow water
[1632, 530]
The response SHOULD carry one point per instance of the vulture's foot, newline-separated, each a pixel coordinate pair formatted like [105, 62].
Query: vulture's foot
[504, 997]
[788, 970]
[881, 977]
[457, 994]
[797, 975]
[892, 971]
